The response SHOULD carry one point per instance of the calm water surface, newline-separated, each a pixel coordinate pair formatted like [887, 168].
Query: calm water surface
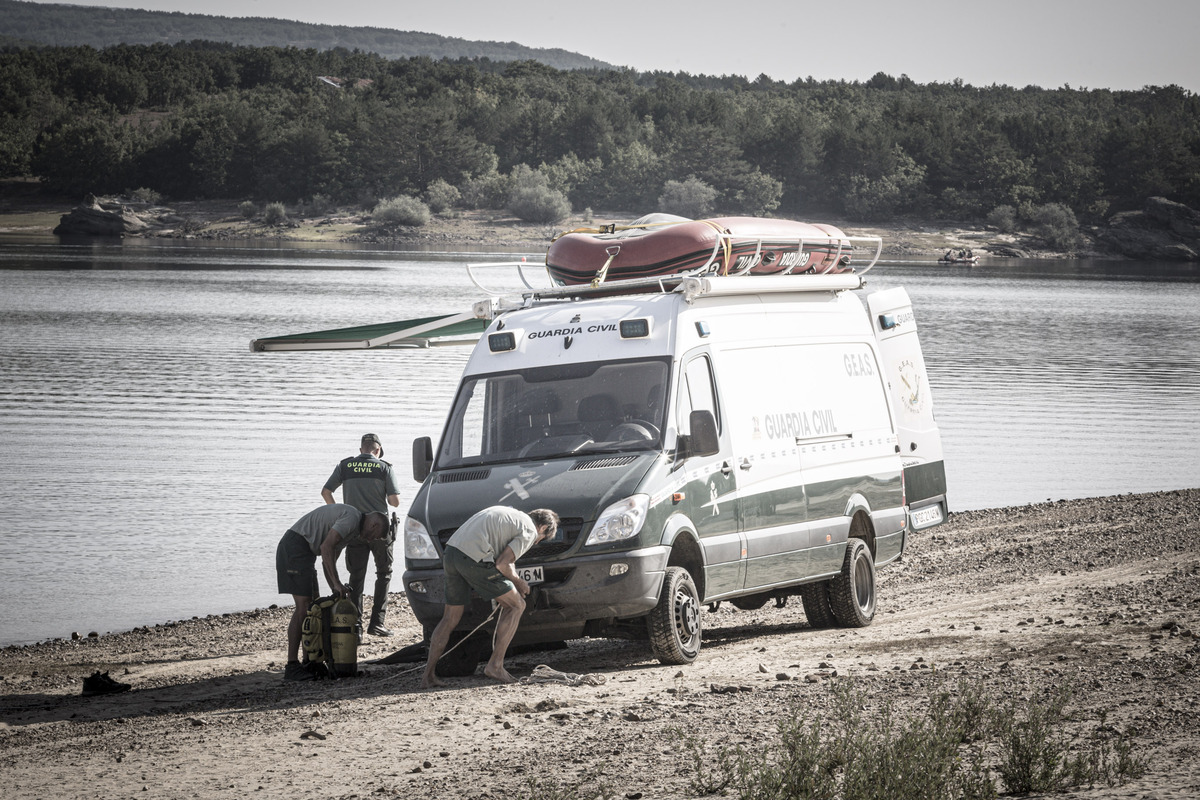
[151, 461]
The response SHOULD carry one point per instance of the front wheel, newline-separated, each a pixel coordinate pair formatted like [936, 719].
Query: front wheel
[674, 624]
[852, 593]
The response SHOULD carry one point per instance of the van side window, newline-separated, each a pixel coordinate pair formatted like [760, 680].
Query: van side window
[697, 393]
[474, 423]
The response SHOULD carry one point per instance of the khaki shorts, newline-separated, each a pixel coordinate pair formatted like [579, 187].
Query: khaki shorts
[464, 574]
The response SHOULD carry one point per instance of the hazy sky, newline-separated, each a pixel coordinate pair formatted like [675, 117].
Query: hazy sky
[1050, 43]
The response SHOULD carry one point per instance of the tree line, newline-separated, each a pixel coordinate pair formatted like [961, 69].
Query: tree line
[208, 120]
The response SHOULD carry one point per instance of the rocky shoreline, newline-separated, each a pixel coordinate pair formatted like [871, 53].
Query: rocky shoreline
[1101, 596]
[1161, 231]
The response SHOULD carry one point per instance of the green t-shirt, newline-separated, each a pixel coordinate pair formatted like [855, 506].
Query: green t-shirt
[484, 536]
[315, 525]
[366, 482]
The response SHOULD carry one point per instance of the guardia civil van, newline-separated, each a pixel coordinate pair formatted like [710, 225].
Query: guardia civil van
[703, 438]
[726, 438]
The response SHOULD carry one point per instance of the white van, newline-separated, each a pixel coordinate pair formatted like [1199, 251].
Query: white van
[703, 439]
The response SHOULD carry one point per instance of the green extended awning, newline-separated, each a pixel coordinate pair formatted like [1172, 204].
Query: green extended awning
[448, 329]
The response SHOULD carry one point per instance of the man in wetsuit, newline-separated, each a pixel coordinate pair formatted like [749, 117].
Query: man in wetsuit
[369, 484]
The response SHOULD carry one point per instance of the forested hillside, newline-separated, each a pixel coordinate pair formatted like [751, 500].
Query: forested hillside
[65, 25]
[222, 121]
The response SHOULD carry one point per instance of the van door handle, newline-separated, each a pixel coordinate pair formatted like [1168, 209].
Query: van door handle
[745, 464]
[726, 469]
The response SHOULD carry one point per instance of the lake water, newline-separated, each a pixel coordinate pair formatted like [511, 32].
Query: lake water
[151, 461]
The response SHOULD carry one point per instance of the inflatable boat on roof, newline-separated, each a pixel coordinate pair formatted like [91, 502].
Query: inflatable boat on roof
[659, 245]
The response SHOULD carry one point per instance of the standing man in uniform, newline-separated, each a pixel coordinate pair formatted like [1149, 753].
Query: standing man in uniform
[481, 555]
[369, 485]
[323, 532]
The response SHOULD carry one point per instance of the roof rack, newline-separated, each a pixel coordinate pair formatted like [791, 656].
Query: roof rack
[690, 287]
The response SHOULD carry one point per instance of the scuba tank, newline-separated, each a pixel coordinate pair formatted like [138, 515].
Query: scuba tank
[345, 630]
[330, 635]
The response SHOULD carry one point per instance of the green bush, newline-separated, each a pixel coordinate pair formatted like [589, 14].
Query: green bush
[320, 204]
[1003, 219]
[441, 196]
[247, 209]
[489, 190]
[1056, 224]
[539, 204]
[955, 749]
[759, 194]
[402, 210]
[144, 195]
[688, 198]
[275, 214]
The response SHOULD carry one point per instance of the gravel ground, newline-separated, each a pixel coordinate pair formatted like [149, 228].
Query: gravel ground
[1099, 595]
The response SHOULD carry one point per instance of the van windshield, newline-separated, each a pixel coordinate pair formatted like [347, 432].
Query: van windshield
[560, 410]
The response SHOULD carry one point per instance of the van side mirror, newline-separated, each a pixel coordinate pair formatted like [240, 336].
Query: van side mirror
[703, 440]
[422, 458]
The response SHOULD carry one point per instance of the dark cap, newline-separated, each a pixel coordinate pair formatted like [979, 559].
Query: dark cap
[370, 438]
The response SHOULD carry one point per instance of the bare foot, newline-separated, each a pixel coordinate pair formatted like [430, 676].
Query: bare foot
[498, 674]
[429, 681]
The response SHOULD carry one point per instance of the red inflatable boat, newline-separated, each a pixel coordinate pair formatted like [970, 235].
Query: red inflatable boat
[662, 244]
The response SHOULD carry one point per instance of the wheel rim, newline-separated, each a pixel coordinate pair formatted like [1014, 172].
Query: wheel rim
[687, 618]
[864, 585]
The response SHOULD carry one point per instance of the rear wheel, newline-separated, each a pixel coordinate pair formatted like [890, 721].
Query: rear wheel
[815, 598]
[852, 593]
[674, 624]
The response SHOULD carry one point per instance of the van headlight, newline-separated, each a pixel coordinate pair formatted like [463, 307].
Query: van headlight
[417, 543]
[620, 521]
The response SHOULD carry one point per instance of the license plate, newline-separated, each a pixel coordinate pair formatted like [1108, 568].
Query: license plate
[924, 517]
[530, 575]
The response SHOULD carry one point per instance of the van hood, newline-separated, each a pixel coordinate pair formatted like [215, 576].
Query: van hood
[579, 487]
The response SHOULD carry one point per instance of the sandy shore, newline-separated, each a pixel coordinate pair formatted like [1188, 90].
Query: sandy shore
[1100, 595]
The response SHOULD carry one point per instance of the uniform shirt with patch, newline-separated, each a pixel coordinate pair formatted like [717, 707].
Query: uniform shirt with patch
[366, 482]
[315, 525]
[484, 536]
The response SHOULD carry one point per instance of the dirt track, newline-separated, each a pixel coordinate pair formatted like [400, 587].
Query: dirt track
[1102, 595]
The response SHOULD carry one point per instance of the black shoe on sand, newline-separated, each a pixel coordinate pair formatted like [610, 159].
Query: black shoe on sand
[100, 683]
[295, 671]
[377, 629]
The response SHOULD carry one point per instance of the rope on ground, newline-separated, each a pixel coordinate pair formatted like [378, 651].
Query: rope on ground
[544, 674]
[448, 651]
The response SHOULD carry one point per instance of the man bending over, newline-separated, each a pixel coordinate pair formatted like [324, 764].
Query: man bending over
[323, 532]
[481, 555]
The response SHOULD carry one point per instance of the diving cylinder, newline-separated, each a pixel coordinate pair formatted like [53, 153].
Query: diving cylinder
[343, 638]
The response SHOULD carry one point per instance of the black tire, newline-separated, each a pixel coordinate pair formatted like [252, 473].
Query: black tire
[815, 598]
[674, 624]
[462, 660]
[852, 593]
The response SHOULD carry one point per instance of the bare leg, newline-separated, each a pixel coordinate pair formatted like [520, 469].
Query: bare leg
[295, 626]
[437, 644]
[512, 606]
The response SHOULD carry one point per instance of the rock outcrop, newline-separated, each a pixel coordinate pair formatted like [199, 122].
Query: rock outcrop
[1162, 231]
[94, 218]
